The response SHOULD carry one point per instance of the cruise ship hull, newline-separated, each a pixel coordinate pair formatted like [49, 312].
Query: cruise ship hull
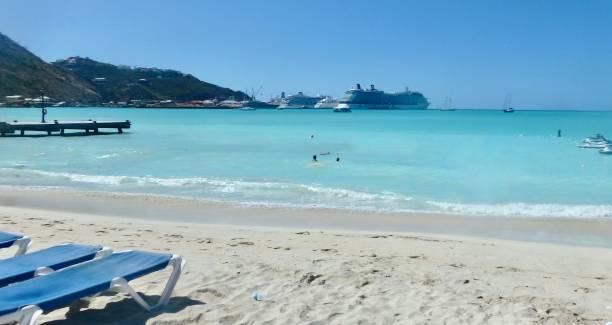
[375, 99]
[353, 106]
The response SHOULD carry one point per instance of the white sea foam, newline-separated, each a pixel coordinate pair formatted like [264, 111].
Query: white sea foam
[223, 186]
[107, 156]
[525, 210]
[303, 195]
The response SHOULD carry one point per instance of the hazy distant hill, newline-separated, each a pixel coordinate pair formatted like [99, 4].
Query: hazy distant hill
[120, 83]
[23, 73]
[84, 80]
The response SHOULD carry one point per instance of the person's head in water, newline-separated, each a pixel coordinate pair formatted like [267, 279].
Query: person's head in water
[314, 157]
[338, 159]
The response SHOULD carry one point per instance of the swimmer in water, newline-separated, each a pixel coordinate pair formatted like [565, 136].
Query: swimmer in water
[314, 158]
[337, 159]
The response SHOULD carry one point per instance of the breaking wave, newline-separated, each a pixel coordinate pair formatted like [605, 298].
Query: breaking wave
[291, 195]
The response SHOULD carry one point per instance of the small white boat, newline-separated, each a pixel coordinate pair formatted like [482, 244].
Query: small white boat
[342, 109]
[327, 102]
[597, 141]
[607, 150]
[595, 144]
[448, 105]
[596, 137]
[508, 104]
[229, 103]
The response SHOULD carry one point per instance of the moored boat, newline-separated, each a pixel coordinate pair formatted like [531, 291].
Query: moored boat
[327, 102]
[229, 103]
[448, 105]
[342, 109]
[358, 98]
[300, 100]
[258, 104]
[607, 150]
[594, 138]
[597, 141]
[508, 105]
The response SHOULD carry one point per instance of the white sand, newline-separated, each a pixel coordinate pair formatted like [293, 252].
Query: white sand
[335, 277]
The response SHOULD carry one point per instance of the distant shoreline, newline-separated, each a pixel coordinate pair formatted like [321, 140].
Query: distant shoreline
[544, 110]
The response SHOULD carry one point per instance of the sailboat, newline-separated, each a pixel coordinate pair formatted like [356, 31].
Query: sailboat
[448, 104]
[508, 105]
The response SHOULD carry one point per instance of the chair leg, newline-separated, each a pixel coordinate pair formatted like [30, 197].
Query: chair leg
[121, 285]
[178, 264]
[22, 245]
[27, 315]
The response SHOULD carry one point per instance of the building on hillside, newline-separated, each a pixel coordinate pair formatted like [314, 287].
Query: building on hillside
[14, 100]
[36, 101]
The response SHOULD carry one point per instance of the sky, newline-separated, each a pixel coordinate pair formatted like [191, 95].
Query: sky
[552, 54]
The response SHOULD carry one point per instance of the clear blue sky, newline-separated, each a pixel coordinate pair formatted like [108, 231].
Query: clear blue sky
[547, 54]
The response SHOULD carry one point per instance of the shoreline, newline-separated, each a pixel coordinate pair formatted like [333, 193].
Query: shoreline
[545, 110]
[581, 232]
[332, 276]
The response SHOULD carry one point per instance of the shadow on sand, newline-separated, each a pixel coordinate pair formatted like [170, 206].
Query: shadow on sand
[125, 311]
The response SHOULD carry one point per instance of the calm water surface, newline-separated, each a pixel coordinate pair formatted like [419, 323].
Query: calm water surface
[469, 162]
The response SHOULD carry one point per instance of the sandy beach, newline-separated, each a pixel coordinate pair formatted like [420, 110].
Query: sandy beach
[311, 275]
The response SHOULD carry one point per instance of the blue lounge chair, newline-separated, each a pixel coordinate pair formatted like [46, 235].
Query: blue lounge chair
[8, 240]
[27, 266]
[24, 302]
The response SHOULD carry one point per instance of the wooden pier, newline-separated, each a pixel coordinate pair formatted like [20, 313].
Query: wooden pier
[89, 126]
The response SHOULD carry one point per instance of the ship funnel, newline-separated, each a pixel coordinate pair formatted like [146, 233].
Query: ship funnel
[372, 87]
[283, 94]
[358, 86]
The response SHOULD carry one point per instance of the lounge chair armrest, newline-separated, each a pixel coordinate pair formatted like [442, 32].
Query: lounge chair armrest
[43, 271]
[104, 252]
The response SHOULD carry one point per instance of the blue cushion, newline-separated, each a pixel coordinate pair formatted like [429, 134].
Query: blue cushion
[7, 239]
[23, 267]
[83, 280]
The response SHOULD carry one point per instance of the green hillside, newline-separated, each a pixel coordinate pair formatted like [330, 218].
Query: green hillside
[23, 73]
[121, 83]
[74, 80]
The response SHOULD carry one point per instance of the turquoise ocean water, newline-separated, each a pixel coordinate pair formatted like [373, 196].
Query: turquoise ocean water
[467, 162]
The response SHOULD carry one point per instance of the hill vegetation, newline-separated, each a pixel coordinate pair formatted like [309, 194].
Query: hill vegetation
[122, 83]
[23, 73]
[83, 80]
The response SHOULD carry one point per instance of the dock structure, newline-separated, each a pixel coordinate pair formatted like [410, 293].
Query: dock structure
[89, 126]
